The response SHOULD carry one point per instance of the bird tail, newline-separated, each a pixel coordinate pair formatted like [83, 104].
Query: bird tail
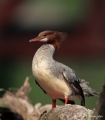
[96, 94]
[87, 90]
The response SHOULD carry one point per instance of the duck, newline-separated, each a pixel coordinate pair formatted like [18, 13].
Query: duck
[57, 80]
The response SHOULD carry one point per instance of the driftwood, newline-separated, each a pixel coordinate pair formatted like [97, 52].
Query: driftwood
[19, 104]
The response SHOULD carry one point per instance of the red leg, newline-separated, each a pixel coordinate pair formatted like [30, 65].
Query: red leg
[66, 100]
[53, 103]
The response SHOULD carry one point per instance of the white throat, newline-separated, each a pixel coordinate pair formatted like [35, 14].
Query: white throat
[44, 40]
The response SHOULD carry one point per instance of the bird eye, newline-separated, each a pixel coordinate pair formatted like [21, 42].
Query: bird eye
[44, 35]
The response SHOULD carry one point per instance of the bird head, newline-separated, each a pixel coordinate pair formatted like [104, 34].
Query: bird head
[51, 37]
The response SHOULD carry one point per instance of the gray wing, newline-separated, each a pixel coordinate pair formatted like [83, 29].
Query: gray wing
[71, 78]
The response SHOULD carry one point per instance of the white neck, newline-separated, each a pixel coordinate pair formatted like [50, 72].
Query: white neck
[45, 51]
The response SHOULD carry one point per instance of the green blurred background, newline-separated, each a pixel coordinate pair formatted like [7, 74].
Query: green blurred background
[84, 51]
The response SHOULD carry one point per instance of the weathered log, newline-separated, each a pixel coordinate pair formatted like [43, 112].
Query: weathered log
[19, 104]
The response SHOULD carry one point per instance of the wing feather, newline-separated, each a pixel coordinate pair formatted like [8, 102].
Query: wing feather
[74, 82]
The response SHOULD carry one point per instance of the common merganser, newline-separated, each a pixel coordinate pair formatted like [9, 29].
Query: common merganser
[56, 79]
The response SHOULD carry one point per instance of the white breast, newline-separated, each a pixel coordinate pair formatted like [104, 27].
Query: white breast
[53, 86]
[42, 66]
